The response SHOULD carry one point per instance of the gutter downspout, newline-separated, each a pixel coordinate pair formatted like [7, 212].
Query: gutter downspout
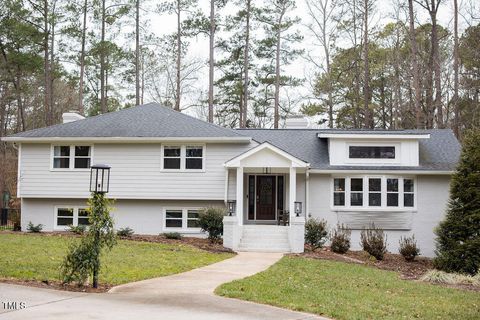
[307, 192]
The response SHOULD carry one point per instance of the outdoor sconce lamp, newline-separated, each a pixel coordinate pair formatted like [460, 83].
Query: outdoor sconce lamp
[231, 207]
[99, 178]
[298, 208]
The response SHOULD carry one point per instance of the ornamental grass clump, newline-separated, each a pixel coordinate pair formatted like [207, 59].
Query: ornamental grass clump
[374, 241]
[316, 233]
[210, 220]
[408, 248]
[126, 232]
[340, 239]
[34, 228]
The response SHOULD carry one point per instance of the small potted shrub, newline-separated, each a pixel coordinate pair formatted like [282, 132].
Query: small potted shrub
[316, 233]
[210, 220]
[340, 239]
[408, 248]
[374, 241]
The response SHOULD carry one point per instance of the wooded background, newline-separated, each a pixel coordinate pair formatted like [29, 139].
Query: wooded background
[365, 70]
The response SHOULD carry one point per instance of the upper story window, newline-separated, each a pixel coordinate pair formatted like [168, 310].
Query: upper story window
[71, 157]
[371, 152]
[183, 158]
[373, 192]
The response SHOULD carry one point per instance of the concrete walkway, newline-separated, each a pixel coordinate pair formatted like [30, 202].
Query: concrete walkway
[187, 295]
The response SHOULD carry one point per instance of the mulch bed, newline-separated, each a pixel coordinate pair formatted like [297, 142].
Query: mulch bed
[200, 243]
[57, 285]
[413, 270]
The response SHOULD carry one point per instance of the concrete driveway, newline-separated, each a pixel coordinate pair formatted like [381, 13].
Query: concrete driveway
[187, 295]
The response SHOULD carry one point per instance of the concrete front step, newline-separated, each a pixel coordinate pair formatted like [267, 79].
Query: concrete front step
[261, 238]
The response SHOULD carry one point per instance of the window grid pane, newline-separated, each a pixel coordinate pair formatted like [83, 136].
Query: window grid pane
[171, 157]
[371, 152]
[174, 219]
[194, 158]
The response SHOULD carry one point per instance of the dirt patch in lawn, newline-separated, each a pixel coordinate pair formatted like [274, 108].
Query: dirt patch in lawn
[412, 270]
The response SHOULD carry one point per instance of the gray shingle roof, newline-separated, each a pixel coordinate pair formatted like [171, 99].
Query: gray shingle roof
[148, 120]
[439, 153]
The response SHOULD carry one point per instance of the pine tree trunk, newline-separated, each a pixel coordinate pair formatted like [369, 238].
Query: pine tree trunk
[103, 97]
[211, 61]
[416, 82]
[179, 61]
[81, 109]
[137, 52]
[46, 64]
[243, 111]
[456, 109]
[52, 67]
[436, 66]
[366, 82]
[276, 117]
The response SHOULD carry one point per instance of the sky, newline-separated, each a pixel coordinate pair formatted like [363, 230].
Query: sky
[301, 68]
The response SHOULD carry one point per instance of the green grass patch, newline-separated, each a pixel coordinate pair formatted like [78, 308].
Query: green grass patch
[36, 257]
[350, 291]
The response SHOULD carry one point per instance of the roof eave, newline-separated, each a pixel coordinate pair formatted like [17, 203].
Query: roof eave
[368, 136]
[386, 171]
[128, 139]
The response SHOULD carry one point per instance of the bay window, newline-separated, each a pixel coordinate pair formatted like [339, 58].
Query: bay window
[375, 192]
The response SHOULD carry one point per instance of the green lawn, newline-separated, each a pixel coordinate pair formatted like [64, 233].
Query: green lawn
[349, 291]
[35, 257]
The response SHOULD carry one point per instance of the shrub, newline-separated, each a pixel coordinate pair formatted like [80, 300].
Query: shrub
[437, 276]
[34, 228]
[458, 236]
[210, 220]
[340, 239]
[408, 248]
[173, 235]
[126, 232]
[316, 233]
[374, 241]
[77, 229]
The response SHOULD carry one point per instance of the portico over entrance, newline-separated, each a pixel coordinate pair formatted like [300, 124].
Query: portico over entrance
[267, 184]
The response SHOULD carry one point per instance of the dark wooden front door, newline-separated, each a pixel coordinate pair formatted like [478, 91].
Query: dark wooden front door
[266, 192]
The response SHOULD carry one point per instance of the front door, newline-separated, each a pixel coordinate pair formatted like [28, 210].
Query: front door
[265, 198]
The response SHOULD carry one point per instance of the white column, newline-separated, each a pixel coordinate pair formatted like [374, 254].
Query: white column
[239, 198]
[307, 194]
[292, 191]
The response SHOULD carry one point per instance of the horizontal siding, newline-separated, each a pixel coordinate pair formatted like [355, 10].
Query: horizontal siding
[135, 173]
[388, 220]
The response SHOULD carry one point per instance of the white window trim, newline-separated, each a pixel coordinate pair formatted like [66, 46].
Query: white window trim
[75, 216]
[184, 228]
[396, 160]
[183, 153]
[365, 206]
[72, 156]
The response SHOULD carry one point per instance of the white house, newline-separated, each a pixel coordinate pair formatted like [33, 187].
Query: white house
[166, 166]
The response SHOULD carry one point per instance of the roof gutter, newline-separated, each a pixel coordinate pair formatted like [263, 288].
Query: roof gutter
[128, 139]
[368, 136]
[387, 171]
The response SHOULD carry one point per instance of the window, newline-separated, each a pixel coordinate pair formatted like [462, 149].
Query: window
[192, 219]
[83, 217]
[374, 192]
[408, 193]
[72, 157]
[173, 218]
[356, 192]
[183, 158]
[182, 218]
[377, 192]
[82, 157]
[66, 216]
[339, 192]
[171, 157]
[371, 152]
[392, 192]
[61, 157]
[194, 158]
